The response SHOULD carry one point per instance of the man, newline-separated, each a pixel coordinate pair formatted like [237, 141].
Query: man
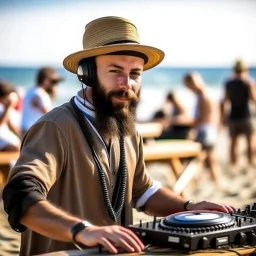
[38, 100]
[239, 92]
[180, 122]
[206, 120]
[9, 131]
[81, 167]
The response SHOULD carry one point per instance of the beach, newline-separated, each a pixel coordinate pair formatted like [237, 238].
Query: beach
[237, 188]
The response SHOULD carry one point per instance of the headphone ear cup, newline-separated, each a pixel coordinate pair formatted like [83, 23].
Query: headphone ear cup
[92, 72]
[86, 71]
[82, 72]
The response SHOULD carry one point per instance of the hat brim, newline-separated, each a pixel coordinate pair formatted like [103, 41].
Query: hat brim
[155, 55]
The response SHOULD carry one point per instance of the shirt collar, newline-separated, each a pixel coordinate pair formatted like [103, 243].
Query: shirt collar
[84, 105]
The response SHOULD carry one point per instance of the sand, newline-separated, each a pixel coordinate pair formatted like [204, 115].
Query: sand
[237, 188]
[9, 239]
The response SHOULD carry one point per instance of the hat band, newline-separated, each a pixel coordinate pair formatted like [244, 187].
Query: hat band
[129, 53]
[122, 42]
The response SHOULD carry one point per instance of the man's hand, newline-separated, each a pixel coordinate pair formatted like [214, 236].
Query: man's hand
[110, 237]
[205, 205]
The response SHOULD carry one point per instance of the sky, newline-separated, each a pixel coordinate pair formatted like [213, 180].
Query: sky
[190, 32]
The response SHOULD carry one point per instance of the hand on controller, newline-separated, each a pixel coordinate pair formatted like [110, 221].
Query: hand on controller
[110, 237]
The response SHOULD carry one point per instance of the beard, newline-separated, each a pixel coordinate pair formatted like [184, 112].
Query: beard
[115, 119]
[51, 92]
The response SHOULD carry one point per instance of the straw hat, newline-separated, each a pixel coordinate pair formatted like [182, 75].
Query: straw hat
[110, 35]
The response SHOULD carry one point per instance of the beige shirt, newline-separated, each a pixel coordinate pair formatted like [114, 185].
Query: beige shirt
[55, 152]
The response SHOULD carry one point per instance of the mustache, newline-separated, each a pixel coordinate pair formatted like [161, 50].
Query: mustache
[130, 95]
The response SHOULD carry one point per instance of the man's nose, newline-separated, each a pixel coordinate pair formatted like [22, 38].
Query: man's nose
[125, 83]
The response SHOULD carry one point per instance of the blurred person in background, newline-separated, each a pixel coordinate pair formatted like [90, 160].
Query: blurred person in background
[38, 99]
[9, 131]
[206, 122]
[173, 116]
[239, 92]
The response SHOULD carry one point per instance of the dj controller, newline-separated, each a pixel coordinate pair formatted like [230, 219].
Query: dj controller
[195, 230]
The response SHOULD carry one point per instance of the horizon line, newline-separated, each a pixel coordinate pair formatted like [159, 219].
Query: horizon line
[36, 65]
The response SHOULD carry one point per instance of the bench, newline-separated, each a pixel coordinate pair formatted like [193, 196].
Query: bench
[6, 161]
[173, 152]
[149, 130]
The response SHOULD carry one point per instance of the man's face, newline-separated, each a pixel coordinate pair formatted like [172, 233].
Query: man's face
[120, 78]
[4, 100]
[191, 85]
[51, 84]
[117, 93]
[195, 82]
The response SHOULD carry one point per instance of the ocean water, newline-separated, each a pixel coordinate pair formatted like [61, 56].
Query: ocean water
[156, 83]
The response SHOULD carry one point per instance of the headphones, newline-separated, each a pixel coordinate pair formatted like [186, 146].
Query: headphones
[86, 71]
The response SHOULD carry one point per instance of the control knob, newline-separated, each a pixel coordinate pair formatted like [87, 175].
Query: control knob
[241, 239]
[203, 243]
[251, 237]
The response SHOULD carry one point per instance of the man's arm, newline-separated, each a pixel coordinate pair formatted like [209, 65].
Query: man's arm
[37, 102]
[223, 107]
[165, 202]
[5, 115]
[46, 219]
[10, 101]
[183, 120]
[29, 182]
[252, 92]
[14, 128]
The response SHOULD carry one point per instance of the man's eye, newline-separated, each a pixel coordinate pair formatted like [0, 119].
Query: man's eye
[135, 73]
[115, 71]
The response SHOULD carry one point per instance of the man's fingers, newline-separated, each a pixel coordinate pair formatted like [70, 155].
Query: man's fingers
[125, 245]
[204, 205]
[230, 208]
[107, 245]
[226, 208]
[134, 236]
[233, 208]
[128, 242]
[119, 238]
[122, 240]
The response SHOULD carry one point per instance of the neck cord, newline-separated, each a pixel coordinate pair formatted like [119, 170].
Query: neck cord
[115, 206]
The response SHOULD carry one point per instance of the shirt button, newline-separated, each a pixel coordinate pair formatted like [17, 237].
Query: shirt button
[112, 186]
[113, 173]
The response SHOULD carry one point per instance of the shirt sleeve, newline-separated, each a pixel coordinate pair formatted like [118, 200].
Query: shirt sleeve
[43, 100]
[142, 180]
[40, 164]
[149, 192]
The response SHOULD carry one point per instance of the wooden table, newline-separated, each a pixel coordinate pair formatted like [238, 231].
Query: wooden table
[217, 252]
[149, 130]
[173, 151]
[6, 160]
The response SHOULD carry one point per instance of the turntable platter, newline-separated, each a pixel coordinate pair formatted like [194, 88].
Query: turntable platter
[198, 219]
